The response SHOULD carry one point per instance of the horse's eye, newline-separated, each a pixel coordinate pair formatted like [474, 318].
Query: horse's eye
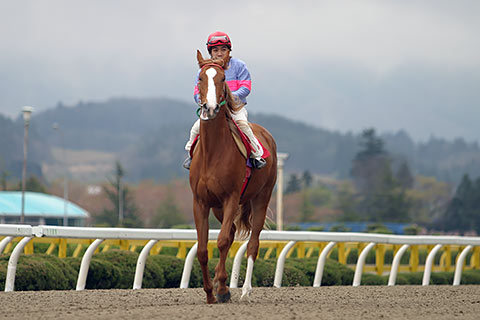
[223, 79]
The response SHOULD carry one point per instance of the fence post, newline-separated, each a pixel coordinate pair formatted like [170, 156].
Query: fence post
[395, 264]
[414, 258]
[4, 243]
[277, 281]
[380, 258]
[341, 253]
[141, 261]
[12, 264]
[87, 257]
[357, 278]
[317, 281]
[459, 265]
[62, 248]
[187, 267]
[429, 264]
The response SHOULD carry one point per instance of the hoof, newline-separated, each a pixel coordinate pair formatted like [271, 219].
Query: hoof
[222, 298]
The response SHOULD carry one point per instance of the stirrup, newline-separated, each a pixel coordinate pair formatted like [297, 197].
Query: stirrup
[187, 163]
[259, 163]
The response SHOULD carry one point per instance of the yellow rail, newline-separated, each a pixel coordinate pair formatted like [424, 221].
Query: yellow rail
[268, 250]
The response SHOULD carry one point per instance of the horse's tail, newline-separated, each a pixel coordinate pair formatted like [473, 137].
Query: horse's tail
[243, 221]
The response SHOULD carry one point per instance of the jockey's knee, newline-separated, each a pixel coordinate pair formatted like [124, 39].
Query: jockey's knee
[242, 123]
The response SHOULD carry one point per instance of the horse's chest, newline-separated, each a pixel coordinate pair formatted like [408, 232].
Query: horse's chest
[213, 188]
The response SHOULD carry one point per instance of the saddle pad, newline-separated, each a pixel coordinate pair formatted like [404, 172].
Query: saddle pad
[238, 136]
[241, 140]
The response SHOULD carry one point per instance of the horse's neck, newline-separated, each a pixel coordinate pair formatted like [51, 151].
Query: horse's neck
[215, 135]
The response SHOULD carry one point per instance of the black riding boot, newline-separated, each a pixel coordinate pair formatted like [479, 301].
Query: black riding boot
[187, 163]
[259, 164]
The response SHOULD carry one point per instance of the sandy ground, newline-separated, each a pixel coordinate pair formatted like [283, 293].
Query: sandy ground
[401, 302]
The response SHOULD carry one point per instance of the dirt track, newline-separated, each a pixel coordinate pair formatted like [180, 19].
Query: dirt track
[402, 302]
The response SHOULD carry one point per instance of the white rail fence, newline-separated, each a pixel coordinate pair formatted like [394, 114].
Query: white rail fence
[155, 235]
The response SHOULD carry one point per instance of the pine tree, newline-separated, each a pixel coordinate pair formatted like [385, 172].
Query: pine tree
[404, 176]
[307, 179]
[293, 184]
[463, 211]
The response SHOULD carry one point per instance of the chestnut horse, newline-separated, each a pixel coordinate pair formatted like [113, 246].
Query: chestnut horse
[217, 173]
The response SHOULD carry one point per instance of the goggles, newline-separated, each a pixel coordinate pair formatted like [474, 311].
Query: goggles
[218, 39]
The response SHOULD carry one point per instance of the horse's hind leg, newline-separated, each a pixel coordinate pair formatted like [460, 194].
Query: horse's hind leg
[224, 242]
[200, 214]
[259, 211]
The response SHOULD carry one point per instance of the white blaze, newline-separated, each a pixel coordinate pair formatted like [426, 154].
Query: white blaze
[211, 91]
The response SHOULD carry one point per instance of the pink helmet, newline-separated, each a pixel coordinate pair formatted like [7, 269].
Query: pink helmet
[218, 39]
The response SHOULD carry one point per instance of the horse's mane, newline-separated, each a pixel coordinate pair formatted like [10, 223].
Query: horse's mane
[234, 104]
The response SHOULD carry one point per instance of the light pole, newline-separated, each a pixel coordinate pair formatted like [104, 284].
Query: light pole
[281, 157]
[27, 113]
[56, 127]
[120, 201]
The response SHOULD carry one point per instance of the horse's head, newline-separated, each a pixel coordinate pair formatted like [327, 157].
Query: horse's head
[211, 86]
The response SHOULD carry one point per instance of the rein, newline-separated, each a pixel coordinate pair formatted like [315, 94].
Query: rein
[220, 104]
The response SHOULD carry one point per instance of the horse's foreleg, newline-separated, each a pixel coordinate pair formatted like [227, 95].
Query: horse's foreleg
[259, 211]
[224, 242]
[201, 223]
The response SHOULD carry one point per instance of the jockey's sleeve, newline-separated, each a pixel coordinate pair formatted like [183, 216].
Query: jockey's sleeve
[196, 92]
[244, 83]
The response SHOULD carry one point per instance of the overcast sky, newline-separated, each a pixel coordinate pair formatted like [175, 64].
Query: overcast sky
[342, 65]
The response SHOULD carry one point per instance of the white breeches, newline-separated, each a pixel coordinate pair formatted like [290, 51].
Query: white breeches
[241, 118]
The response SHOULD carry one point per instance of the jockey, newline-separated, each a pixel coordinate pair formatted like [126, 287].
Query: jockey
[239, 82]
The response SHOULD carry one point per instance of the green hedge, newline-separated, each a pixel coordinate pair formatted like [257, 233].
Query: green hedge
[116, 269]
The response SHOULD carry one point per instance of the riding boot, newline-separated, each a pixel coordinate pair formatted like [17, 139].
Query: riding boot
[193, 134]
[259, 163]
[187, 162]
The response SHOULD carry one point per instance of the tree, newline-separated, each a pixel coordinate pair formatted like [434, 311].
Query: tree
[371, 163]
[404, 176]
[119, 195]
[380, 197]
[347, 204]
[293, 184]
[32, 184]
[463, 212]
[3, 179]
[429, 199]
[306, 208]
[168, 214]
[307, 179]
[387, 202]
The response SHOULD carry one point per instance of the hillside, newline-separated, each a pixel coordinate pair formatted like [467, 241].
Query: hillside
[148, 137]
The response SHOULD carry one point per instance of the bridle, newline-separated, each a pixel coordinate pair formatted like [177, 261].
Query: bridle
[224, 100]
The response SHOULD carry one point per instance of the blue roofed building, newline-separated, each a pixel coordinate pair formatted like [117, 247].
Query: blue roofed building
[40, 209]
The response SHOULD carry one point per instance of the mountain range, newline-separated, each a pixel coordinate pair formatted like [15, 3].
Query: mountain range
[148, 136]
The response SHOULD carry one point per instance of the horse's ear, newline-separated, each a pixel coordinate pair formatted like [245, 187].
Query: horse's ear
[199, 57]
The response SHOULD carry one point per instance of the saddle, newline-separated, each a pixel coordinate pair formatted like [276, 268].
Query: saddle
[241, 140]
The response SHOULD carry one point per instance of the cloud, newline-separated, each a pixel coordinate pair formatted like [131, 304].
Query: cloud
[344, 55]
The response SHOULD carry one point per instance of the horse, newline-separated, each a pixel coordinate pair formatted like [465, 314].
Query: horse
[217, 173]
